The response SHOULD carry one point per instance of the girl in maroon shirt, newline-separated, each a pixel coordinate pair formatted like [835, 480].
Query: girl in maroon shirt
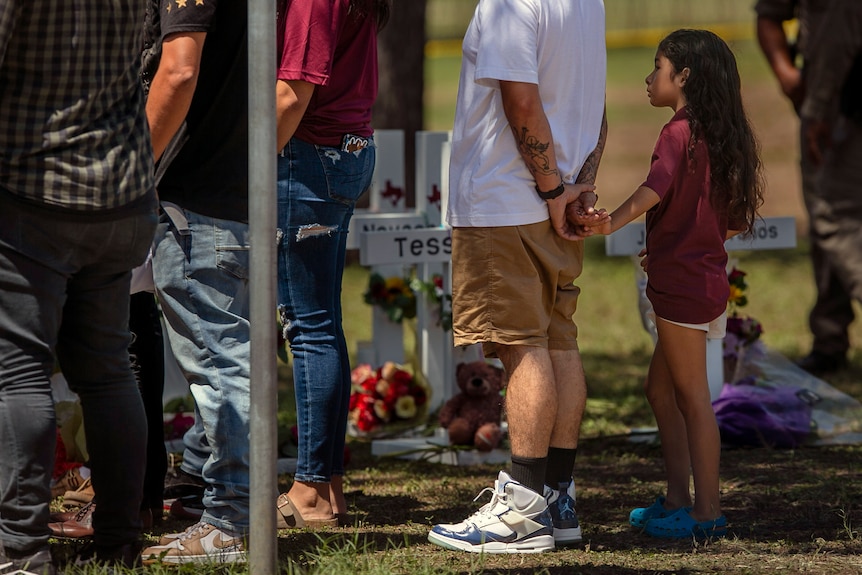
[703, 187]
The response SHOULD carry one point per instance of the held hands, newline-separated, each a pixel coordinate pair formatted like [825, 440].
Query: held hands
[604, 227]
[586, 218]
[573, 213]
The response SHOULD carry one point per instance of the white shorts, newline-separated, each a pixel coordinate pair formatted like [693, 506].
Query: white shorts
[714, 329]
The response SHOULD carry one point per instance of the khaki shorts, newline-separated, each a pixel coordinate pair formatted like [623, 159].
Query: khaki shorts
[514, 285]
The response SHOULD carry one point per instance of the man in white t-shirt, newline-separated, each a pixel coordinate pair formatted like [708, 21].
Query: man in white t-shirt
[529, 134]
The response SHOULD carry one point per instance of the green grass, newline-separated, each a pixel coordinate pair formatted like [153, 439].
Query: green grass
[441, 85]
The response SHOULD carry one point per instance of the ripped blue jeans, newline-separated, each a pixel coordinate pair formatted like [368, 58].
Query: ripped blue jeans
[318, 188]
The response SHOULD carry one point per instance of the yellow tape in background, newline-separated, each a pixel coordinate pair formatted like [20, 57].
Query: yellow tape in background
[644, 37]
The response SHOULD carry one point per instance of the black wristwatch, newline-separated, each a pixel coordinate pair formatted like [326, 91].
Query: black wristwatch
[550, 195]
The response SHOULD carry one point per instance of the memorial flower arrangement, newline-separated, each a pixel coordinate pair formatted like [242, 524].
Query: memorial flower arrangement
[385, 401]
[394, 295]
[397, 297]
[743, 332]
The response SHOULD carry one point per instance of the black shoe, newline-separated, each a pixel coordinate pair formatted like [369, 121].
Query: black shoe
[817, 363]
[32, 563]
[178, 483]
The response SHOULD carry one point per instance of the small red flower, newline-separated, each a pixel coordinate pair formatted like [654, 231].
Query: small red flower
[367, 421]
[735, 275]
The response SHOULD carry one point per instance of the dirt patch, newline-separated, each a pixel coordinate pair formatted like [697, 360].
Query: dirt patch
[789, 511]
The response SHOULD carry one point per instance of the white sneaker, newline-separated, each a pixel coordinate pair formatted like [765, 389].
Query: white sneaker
[516, 520]
[200, 543]
[561, 503]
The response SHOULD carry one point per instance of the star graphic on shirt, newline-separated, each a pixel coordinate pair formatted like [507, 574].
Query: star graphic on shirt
[168, 7]
[181, 3]
[199, 2]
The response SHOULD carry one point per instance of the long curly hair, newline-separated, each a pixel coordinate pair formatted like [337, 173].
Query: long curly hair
[716, 114]
[379, 8]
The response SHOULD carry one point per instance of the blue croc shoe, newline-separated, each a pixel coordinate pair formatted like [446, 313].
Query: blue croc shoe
[639, 516]
[681, 525]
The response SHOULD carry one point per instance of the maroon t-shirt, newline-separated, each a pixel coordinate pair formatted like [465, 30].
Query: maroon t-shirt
[684, 234]
[326, 44]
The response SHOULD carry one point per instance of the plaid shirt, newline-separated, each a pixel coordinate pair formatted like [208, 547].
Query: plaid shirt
[73, 132]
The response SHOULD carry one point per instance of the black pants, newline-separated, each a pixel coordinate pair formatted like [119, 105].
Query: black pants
[148, 362]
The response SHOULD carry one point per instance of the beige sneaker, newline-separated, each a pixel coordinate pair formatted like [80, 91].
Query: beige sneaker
[200, 543]
[69, 481]
[168, 538]
[81, 496]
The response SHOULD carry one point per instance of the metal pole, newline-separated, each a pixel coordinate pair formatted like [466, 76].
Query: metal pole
[262, 552]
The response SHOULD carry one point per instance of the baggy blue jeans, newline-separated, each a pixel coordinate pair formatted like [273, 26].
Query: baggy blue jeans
[201, 279]
[64, 291]
[318, 188]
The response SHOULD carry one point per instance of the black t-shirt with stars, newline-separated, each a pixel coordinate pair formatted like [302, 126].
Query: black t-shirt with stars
[205, 167]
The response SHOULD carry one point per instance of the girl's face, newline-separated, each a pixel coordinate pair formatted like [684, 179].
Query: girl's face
[664, 84]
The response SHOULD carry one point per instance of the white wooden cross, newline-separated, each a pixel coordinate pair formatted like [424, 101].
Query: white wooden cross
[393, 241]
[387, 211]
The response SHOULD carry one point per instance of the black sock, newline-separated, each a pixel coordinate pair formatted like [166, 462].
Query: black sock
[561, 465]
[530, 472]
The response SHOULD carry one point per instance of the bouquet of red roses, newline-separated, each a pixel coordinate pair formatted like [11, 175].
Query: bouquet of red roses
[385, 399]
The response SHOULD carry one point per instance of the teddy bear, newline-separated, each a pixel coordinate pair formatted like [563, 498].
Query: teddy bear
[472, 416]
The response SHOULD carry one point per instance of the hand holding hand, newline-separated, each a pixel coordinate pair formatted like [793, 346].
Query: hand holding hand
[601, 226]
[582, 214]
[572, 214]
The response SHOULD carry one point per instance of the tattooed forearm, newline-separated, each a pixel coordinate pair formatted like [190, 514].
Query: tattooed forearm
[591, 166]
[534, 152]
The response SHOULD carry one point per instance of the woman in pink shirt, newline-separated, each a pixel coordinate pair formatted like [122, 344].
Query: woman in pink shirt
[327, 84]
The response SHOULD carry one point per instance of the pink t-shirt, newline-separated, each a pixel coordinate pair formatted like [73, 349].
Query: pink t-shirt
[324, 43]
[684, 233]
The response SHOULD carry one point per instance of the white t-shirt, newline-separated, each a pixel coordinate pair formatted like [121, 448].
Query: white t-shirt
[557, 44]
